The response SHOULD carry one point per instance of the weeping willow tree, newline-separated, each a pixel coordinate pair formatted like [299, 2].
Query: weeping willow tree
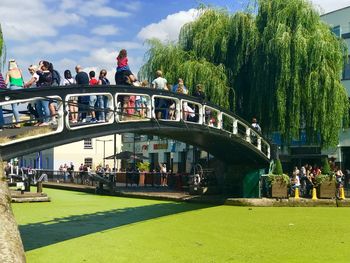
[2, 50]
[281, 64]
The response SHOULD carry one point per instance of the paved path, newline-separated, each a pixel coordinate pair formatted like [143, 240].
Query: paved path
[168, 194]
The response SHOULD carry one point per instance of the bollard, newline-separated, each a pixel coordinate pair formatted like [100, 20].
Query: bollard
[342, 195]
[314, 194]
[296, 196]
[39, 188]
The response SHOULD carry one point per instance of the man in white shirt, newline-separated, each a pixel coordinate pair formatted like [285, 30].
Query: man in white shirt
[255, 125]
[161, 104]
[159, 82]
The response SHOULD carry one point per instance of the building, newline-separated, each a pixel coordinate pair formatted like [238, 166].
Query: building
[178, 156]
[339, 21]
[89, 151]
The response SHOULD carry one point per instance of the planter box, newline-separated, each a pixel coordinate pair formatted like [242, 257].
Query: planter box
[327, 190]
[142, 179]
[279, 190]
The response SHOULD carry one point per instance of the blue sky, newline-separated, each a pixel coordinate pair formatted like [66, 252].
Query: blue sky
[91, 32]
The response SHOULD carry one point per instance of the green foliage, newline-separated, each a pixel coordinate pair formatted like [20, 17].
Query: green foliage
[284, 53]
[326, 169]
[90, 223]
[2, 49]
[278, 178]
[277, 169]
[277, 174]
[322, 178]
[143, 167]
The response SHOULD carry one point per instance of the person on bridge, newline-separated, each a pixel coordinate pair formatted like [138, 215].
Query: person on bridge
[2, 87]
[199, 93]
[82, 78]
[161, 104]
[73, 101]
[102, 101]
[15, 79]
[43, 106]
[180, 84]
[122, 65]
[34, 79]
[255, 125]
[32, 84]
[93, 98]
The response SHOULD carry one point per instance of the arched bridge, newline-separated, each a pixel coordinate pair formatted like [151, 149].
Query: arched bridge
[123, 109]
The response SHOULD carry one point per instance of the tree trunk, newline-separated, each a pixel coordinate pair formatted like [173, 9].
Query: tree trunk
[11, 248]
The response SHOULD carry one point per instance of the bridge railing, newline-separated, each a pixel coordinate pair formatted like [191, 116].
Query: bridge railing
[109, 107]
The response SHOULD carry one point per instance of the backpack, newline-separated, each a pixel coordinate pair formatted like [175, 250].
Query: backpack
[56, 78]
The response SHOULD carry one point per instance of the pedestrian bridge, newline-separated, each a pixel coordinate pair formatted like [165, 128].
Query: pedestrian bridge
[156, 112]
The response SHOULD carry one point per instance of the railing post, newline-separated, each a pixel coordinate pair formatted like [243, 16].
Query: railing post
[259, 143]
[235, 126]
[268, 151]
[247, 134]
[220, 120]
[153, 109]
[200, 114]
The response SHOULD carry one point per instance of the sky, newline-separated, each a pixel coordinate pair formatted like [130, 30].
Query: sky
[91, 32]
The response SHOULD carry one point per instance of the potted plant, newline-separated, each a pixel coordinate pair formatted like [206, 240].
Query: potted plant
[325, 182]
[279, 181]
[143, 168]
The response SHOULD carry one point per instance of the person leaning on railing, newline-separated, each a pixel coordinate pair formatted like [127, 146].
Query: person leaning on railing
[2, 87]
[15, 79]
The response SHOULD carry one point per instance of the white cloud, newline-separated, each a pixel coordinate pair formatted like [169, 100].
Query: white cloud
[105, 30]
[168, 29]
[65, 44]
[133, 6]
[23, 20]
[99, 8]
[128, 45]
[327, 6]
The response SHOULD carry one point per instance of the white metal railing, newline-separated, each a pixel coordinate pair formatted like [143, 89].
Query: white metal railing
[161, 107]
[22, 104]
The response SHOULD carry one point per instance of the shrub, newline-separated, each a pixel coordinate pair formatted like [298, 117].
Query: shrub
[326, 169]
[278, 175]
[277, 170]
[143, 167]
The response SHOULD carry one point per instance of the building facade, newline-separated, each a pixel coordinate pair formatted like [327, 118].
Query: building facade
[339, 21]
[179, 157]
[89, 151]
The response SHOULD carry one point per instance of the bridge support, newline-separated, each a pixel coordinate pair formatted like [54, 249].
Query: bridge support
[11, 247]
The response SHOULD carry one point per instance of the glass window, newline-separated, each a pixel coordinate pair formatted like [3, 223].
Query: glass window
[88, 162]
[346, 69]
[87, 144]
[336, 30]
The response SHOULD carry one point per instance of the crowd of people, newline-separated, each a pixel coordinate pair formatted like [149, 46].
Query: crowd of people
[305, 179]
[94, 108]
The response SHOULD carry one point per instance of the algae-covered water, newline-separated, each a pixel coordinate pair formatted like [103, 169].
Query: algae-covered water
[79, 227]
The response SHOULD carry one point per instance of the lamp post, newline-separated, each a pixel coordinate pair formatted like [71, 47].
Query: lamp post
[104, 149]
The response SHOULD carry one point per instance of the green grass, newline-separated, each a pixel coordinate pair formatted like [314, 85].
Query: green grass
[78, 227]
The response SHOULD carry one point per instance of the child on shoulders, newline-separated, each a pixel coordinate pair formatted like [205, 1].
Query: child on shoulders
[122, 65]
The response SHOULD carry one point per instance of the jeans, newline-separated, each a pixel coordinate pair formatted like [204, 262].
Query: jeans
[15, 105]
[1, 118]
[42, 107]
[102, 102]
[92, 102]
